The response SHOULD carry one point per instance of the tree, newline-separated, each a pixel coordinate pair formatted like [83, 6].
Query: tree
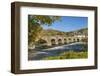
[35, 23]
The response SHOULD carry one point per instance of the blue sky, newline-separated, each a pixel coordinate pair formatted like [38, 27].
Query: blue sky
[68, 23]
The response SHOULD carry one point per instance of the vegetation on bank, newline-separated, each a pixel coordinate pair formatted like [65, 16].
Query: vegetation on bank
[69, 55]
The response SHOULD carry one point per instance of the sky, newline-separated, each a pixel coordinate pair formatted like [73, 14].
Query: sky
[68, 23]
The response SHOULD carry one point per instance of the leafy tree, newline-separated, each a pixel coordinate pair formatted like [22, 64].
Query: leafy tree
[35, 23]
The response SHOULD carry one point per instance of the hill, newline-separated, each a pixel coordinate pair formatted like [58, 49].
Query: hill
[52, 32]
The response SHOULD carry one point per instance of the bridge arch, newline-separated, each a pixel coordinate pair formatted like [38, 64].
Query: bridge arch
[74, 40]
[65, 41]
[41, 42]
[69, 40]
[53, 42]
[78, 39]
[59, 41]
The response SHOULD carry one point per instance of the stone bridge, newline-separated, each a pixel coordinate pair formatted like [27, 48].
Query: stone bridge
[56, 40]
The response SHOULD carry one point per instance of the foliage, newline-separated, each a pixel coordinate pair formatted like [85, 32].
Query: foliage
[35, 22]
[69, 55]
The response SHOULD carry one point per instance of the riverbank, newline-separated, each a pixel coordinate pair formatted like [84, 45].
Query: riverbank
[69, 55]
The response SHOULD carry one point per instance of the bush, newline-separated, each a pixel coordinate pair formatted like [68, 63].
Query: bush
[69, 55]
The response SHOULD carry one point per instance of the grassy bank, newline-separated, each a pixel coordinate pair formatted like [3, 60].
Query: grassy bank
[69, 55]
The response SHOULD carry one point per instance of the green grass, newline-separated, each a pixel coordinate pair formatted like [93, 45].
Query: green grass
[69, 55]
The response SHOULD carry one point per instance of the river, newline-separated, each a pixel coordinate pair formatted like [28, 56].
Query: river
[54, 51]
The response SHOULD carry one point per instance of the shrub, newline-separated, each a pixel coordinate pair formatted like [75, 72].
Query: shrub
[69, 55]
